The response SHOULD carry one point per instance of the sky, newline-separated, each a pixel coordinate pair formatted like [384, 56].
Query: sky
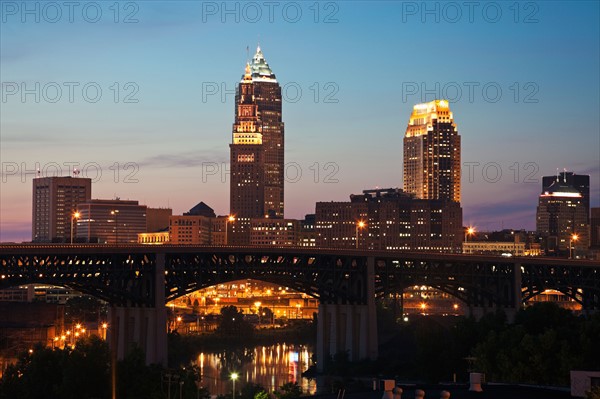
[139, 96]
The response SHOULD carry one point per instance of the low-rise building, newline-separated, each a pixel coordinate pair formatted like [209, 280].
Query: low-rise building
[390, 219]
[276, 232]
[512, 248]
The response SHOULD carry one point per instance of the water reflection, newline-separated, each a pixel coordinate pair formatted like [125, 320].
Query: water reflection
[269, 366]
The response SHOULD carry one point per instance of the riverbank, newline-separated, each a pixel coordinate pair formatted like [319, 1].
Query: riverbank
[461, 391]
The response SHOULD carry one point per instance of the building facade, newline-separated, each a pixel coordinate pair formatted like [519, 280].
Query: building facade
[274, 232]
[55, 201]
[190, 229]
[579, 182]
[595, 228]
[512, 248]
[257, 148]
[562, 219]
[156, 238]
[157, 219]
[432, 153]
[111, 221]
[390, 219]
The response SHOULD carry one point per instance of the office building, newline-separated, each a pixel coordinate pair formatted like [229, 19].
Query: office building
[157, 219]
[54, 203]
[595, 228]
[110, 221]
[432, 153]
[562, 219]
[274, 232]
[389, 219]
[580, 182]
[193, 227]
[257, 148]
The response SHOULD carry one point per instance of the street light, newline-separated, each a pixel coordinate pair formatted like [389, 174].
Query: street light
[234, 377]
[104, 328]
[230, 219]
[470, 231]
[574, 238]
[359, 225]
[74, 216]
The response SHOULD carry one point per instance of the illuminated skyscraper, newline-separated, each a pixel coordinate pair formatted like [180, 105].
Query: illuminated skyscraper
[432, 153]
[257, 148]
[563, 218]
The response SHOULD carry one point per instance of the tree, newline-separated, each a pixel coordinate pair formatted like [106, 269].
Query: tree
[86, 374]
[37, 374]
[250, 391]
[134, 379]
[289, 390]
[233, 323]
[262, 395]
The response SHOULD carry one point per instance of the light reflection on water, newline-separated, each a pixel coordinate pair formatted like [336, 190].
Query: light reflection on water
[269, 366]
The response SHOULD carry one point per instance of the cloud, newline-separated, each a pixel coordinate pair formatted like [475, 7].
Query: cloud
[187, 159]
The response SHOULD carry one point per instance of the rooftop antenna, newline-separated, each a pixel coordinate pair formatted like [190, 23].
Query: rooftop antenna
[557, 176]
[565, 175]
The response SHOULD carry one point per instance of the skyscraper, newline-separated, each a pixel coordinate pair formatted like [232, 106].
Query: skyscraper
[55, 201]
[432, 153]
[580, 182]
[257, 148]
[563, 218]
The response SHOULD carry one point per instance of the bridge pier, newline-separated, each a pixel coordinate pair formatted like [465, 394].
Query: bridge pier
[510, 302]
[145, 327]
[346, 328]
[350, 328]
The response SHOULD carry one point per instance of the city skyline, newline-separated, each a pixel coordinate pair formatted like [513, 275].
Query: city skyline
[176, 135]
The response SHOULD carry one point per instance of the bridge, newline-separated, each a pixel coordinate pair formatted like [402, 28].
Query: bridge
[137, 281]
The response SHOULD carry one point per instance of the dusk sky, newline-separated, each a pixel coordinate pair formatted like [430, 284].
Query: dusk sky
[522, 79]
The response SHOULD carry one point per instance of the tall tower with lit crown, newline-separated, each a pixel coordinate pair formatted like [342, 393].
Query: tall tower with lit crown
[257, 148]
[432, 153]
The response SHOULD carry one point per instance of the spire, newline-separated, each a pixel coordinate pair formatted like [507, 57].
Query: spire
[247, 73]
[260, 68]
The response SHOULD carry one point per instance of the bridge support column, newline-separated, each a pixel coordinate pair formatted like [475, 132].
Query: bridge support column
[145, 327]
[348, 328]
[517, 294]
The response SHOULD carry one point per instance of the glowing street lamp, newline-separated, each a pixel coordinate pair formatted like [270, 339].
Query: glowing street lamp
[574, 238]
[470, 231]
[234, 377]
[104, 328]
[74, 216]
[230, 219]
[359, 225]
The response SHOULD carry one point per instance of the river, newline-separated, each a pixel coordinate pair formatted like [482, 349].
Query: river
[269, 366]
